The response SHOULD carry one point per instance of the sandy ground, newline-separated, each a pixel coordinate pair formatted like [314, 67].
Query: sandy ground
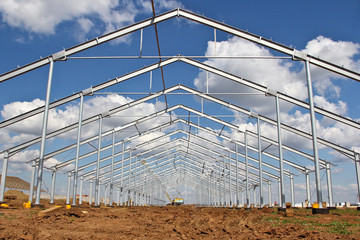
[175, 222]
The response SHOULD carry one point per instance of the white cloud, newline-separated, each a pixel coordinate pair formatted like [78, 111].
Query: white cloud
[278, 74]
[43, 16]
[281, 76]
[19, 164]
[275, 74]
[337, 170]
[58, 118]
[339, 52]
[339, 108]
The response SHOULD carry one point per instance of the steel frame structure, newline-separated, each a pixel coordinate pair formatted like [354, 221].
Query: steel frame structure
[218, 176]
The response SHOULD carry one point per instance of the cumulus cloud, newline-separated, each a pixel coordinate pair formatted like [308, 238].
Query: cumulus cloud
[341, 53]
[340, 107]
[286, 77]
[18, 162]
[43, 16]
[276, 74]
[338, 52]
[58, 118]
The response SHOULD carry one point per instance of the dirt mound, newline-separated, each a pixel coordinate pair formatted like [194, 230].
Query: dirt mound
[16, 183]
[15, 198]
[18, 194]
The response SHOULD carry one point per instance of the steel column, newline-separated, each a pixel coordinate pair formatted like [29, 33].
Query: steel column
[269, 192]
[209, 193]
[242, 197]
[118, 197]
[53, 179]
[78, 148]
[281, 161]
[224, 184]
[246, 169]
[308, 196]
[81, 190]
[329, 185]
[43, 135]
[219, 184]
[357, 168]
[237, 175]
[136, 192]
[279, 192]
[98, 196]
[112, 170]
[68, 189]
[254, 195]
[32, 181]
[230, 179]
[91, 192]
[129, 181]
[3, 176]
[97, 190]
[314, 135]
[260, 163]
[106, 194]
[292, 190]
[122, 166]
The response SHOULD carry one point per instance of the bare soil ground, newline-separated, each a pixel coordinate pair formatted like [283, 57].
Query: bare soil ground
[172, 222]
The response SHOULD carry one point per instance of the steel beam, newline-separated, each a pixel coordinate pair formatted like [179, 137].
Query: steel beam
[89, 44]
[91, 119]
[270, 44]
[264, 89]
[90, 91]
[232, 126]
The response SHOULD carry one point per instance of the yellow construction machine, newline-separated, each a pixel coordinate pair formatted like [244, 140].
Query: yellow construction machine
[176, 201]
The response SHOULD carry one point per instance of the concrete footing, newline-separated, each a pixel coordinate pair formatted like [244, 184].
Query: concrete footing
[281, 209]
[320, 211]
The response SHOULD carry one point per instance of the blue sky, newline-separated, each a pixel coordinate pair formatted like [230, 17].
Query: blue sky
[328, 28]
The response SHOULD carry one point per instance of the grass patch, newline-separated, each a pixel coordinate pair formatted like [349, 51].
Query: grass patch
[338, 227]
[346, 211]
[309, 223]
